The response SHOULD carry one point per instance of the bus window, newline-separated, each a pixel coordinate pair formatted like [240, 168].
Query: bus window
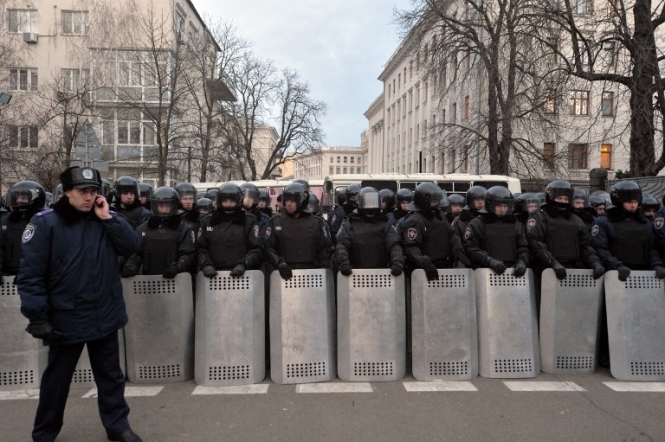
[407, 185]
[448, 187]
[462, 186]
[488, 184]
[380, 184]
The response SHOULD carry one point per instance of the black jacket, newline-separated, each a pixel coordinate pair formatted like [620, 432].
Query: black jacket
[363, 243]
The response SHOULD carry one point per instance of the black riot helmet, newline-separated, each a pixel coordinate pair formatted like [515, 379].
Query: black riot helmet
[473, 194]
[369, 202]
[27, 195]
[229, 191]
[351, 191]
[650, 203]
[296, 192]
[527, 203]
[204, 206]
[625, 191]
[581, 194]
[340, 198]
[126, 184]
[250, 191]
[211, 194]
[596, 200]
[145, 190]
[164, 196]
[106, 190]
[427, 195]
[403, 195]
[264, 196]
[559, 188]
[499, 195]
[186, 189]
[57, 193]
[456, 198]
[49, 199]
[314, 205]
[388, 197]
[303, 182]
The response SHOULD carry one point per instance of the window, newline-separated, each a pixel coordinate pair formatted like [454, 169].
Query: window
[607, 55]
[339, 160]
[338, 170]
[75, 22]
[352, 158]
[179, 20]
[467, 107]
[345, 170]
[21, 20]
[23, 79]
[74, 80]
[606, 156]
[399, 80]
[577, 156]
[23, 137]
[549, 152]
[579, 102]
[453, 111]
[426, 92]
[550, 103]
[607, 105]
[129, 126]
[583, 7]
[360, 160]
[404, 107]
[345, 159]
[405, 75]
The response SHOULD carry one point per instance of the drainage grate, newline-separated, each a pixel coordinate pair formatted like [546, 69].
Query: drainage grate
[371, 281]
[17, 377]
[303, 281]
[647, 368]
[308, 369]
[512, 365]
[448, 282]
[574, 362]
[228, 373]
[578, 281]
[448, 368]
[644, 282]
[154, 287]
[506, 280]
[159, 371]
[372, 368]
[228, 283]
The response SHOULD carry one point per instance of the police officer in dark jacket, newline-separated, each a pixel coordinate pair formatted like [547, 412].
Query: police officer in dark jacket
[188, 213]
[127, 201]
[475, 202]
[264, 202]
[456, 203]
[25, 198]
[558, 239]
[229, 239]
[70, 291]
[205, 207]
[582, 208]
[250, 202]
[403, 198]
[429, 241]
[337, 216]
[145, 192]
[388, 204]
[296, 239]
[167, 245]
[495, 239]
[650, 206]
[367, 239]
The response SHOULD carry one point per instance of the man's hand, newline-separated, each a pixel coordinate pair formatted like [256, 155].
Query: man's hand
[171, 271]
[238, 270]
[396, 269]
[598, 271]
[497, 266]
[559, 271]
[624, 272]
[101, 208]
[345, 269]
[44, 330]
[209, 271]
[431, 272]
[285, 271]
[128, 271]
[520, 269]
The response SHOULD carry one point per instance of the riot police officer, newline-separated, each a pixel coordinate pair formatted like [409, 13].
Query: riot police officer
[388, 204]
[558, 239]
[367, 239]
[167, 245]
[211, 194]
[188, 213]
[106, 190]
[475, 201]
[229, 239]
[495, 238]
[127, 203]
[250, 201]
[25, 198]
[145, 192]
[599, 201]
[314, 205]
[582, 208]
[204, 206]
[525, 205]
[403, 198]
[456, 203]
[296, 239]
[264, 202]
[650, 206]
[429, 241]
[337, 216]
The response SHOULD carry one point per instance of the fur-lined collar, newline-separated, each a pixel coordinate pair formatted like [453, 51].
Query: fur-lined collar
[69, 213]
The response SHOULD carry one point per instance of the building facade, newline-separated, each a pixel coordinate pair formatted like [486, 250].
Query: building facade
[330, 160]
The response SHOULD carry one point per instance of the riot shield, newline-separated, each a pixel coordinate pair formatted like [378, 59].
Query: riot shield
[230, 329]
[302, 327]
[371, 326]
[444, 334]
[636, 326]
[159, 337]
[507, 325]
[569, 322]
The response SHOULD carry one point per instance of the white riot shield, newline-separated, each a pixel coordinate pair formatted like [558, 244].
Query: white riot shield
[230, 329]
[569, 321]
[302, 327]
[444, 329]
[371, 326]
[636, 326]
[159, 337]
[507, 325]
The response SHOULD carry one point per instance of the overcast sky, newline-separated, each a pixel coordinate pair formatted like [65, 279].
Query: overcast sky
[339, 47]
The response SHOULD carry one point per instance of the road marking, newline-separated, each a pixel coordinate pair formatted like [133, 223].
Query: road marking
[130, 392]
[32, 393]
[335, 387]
[439, 386]
[236, 389]
[542, 386]
[647, 387]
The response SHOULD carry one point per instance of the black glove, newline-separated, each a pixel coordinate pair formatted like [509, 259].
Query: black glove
[238, 270]
[660, 272]
[171, 271]
[461, 257]
[129, 271]
[598, 271]
[431, 272]
[496, 265]
[559, 271]
[285, 271]
[44, 330]
[624, 272]
[396, 269]
[520, 269]
[209, 271]
[345, 269]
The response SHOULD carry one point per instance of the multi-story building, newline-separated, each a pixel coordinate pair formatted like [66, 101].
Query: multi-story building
[129, 68]
[330, 160]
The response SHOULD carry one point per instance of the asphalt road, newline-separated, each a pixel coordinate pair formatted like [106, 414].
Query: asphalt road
[489, 410]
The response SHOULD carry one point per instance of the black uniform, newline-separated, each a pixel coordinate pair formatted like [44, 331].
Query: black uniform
[135, 214]
[368, 243]
[11, 236]
[225, 240]
[336, 218]
[461, 221]
[301, 243]
[500, 238]
[586, 216]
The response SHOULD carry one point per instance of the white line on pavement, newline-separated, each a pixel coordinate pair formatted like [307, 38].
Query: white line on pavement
[236, 389]
[32, 393]
[542, 386]
[439, 386]
[648, 387]
[130, 392]
[335, 387]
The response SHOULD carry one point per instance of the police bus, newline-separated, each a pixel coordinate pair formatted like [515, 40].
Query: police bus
[451, 183]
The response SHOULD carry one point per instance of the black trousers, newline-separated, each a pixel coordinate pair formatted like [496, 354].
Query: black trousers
[54, 388]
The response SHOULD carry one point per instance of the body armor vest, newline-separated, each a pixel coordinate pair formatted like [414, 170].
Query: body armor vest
[501, 241]
[562, 241]
[298, 238]
[437, 242]
[631, 243]
[368, 249]
[160, 249]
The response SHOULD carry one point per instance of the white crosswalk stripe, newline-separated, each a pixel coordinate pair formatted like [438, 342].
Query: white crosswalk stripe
[236, 389]
[441, 386]
[641, 387]
[32, 393]
[542, 386]
[131, 392]
[335, 387]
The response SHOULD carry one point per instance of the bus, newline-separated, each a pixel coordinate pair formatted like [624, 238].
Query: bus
[451, 183]
[274, 187]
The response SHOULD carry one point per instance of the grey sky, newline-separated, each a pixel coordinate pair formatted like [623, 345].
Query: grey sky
[338, 46]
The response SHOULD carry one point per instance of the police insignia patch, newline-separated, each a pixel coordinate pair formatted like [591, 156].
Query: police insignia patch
[28, 233]
[256, 231]
[594, 230]
[412, 234]
[531, 223]
[87, 174]
[268, 232]
[467, 233]
[658, 222]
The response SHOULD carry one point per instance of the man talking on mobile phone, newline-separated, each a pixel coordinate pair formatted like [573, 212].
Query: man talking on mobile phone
[71, 292]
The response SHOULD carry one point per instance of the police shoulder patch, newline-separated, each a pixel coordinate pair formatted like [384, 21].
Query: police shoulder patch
[531, 223]
[658, 222]
[28, 233]
[595, 230]
[412, 234]
[256, 231]
[467, 233]
[268, 232]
